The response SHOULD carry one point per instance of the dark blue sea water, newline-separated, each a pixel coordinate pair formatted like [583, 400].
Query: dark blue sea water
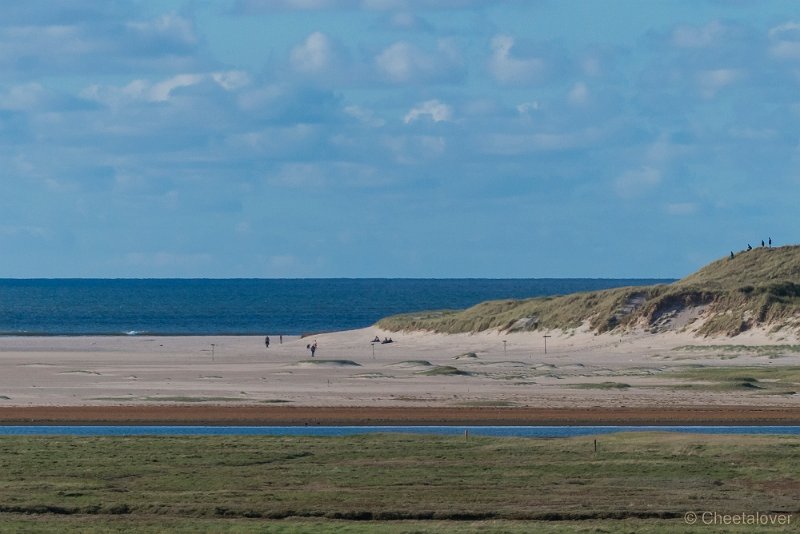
[497, 431]
[248, 306]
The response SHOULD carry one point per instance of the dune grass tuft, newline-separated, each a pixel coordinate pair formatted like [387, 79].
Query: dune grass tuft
[444, 370]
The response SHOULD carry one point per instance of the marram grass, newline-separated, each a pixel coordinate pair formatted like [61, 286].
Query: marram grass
[760, 287]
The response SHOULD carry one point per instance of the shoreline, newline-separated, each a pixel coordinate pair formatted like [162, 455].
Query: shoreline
[160, 415]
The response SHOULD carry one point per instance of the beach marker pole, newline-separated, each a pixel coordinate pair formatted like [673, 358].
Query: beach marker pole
[504, 347]
[212, 351]
[545, 343]
[373, 350]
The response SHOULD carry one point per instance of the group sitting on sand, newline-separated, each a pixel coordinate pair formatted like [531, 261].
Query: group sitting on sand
[384, 342]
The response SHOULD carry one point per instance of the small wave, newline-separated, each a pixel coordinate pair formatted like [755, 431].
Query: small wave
[133, 333]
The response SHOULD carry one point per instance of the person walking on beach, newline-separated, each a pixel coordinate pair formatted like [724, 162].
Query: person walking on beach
[313, 348]
[266, 341]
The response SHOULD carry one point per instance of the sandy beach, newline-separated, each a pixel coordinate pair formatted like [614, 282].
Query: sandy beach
[491, 378]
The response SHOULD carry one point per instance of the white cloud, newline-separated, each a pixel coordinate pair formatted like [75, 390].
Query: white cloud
[162, 90]
[170, 26]
[579, 94]
[25, 231]
[712, 81]
[697, 37]
[314, 55]
[232, 79]
[636, 182]
[437, 111]
[415, 149]
[785, 41]
[300, 5]
[400, 61]
[143, 90]
[790, 28]
[403, 62]
[365, 116]
[526, 108]
[407, 21]
[591, 66]
[253, 6]
[280, 142]
[509, 69]
[25, 97]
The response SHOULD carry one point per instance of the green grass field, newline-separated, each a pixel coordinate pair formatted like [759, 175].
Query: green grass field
[393, 483]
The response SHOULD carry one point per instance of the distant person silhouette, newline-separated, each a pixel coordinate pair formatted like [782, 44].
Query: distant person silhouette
[266, 341]
[770, 242]
[749, 247]
[731, 254]
[762, 242]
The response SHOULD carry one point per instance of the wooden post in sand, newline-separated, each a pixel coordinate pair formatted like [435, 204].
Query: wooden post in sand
[545, 343]
[212, 351]
[504, 347]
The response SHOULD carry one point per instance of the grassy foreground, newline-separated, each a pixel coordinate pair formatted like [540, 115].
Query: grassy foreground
[394, 483]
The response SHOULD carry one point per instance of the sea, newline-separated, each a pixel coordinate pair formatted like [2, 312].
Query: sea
[72, 307]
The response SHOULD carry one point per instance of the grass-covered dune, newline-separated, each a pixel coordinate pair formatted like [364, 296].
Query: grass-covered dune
[756, 288]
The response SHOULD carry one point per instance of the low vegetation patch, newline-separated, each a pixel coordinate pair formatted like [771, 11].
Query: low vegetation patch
[771, 380]
[489, 404]
[335, 363]
[643, 482]
[732, 351]
[444, 370]
[180, 398]
[413, 363]
[601, 385]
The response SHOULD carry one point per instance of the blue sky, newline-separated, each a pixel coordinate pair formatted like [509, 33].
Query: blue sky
[394, 138]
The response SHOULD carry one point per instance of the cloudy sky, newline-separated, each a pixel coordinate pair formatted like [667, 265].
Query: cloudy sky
[394, 138]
